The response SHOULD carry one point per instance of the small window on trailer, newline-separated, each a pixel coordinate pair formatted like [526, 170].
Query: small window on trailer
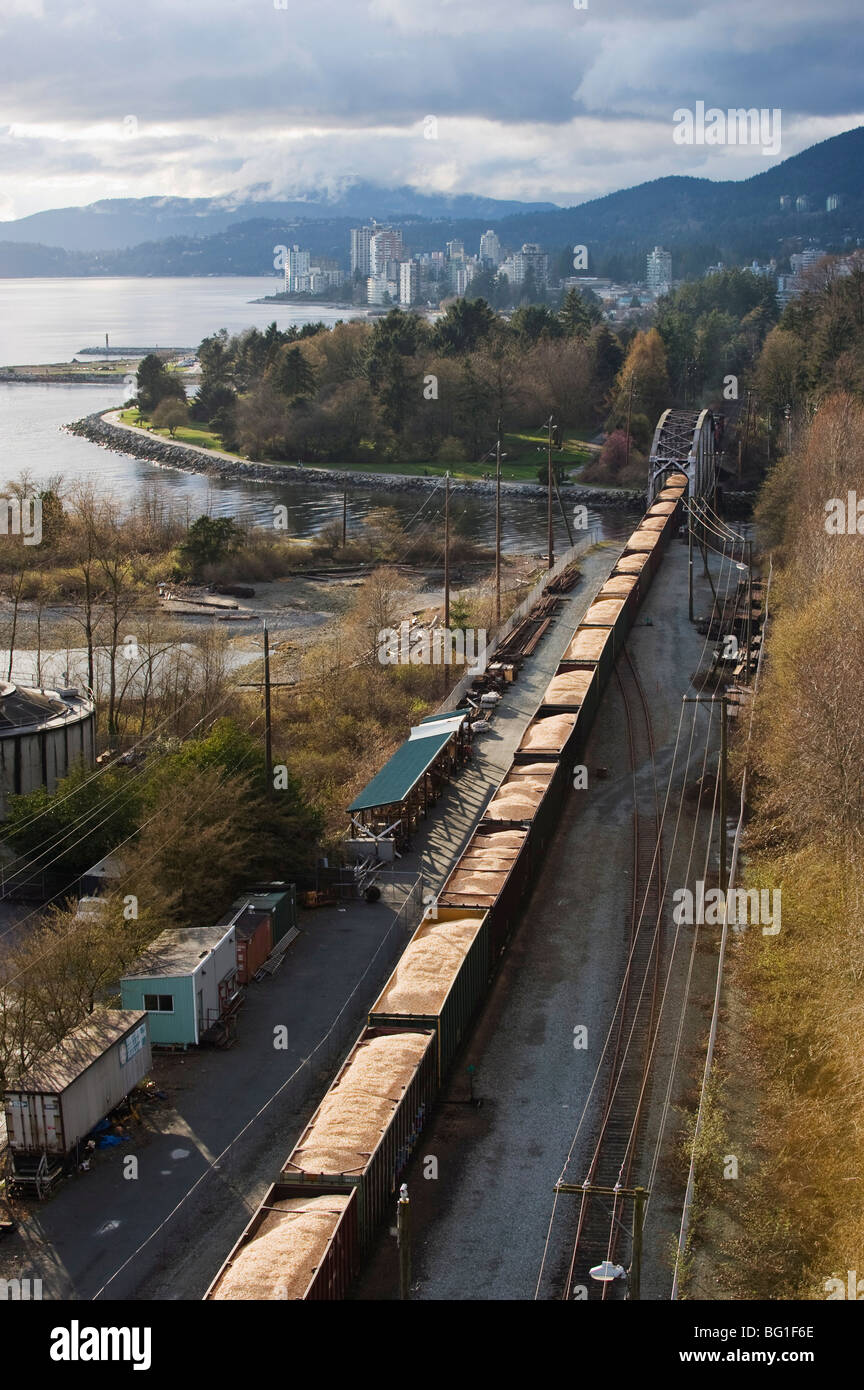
[159, 1003]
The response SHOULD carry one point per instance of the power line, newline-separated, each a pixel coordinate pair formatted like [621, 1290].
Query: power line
[715, 1015]
[636, 933]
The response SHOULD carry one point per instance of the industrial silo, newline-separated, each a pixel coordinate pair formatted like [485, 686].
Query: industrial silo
[42, 734]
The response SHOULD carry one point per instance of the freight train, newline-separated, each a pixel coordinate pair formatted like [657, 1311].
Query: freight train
[317, 1222]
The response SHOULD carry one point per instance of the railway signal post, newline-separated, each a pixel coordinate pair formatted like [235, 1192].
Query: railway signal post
[403, 1238]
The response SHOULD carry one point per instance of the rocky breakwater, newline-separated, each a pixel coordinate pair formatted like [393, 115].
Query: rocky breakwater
[120, 439]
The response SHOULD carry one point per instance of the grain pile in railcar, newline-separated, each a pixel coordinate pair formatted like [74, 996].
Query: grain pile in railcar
[493, 849]
[619, 586]
[516, 800]
[281, 1258]
[548, 735]
[630, 564]
[475, 886]
[642, 539]
[586, 645]
[652, 522]
[569, 688]
[543, 772]
[357, 1109]
[662, 507]
[604, 613]
[429, 964]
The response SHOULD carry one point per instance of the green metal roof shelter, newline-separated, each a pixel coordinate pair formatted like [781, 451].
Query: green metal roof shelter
[412, 777]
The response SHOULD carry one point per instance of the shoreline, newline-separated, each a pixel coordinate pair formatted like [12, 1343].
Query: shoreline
[191, 458]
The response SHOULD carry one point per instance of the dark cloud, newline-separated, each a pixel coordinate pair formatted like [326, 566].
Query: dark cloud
[334, 88]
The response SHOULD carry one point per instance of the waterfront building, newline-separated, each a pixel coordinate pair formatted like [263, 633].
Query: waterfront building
[409, 283]
[802, 260]
[460, 276]
[360, 240]
[531, 257]
[381, 290]
[658, 270]
[296, 270]
[491, 252]
[385, 252]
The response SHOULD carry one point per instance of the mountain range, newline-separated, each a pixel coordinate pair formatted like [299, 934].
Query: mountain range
[117, 223]
[699, 220]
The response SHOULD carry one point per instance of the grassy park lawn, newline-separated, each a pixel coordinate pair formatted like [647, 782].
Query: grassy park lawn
[524, 452]
[184, 434]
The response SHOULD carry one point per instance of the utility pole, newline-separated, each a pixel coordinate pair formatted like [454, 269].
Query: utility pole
[447, 550]
[550, 539]
[268, 727]
[344, 516]
[749, 605]
[498, 526]
[722, 774]
[639, 1195]
[403, 1237]
[629, 409]
[769, 434]
[743, 442]
[689, 563]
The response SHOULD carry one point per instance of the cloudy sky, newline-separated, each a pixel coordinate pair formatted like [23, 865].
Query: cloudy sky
[532, 99]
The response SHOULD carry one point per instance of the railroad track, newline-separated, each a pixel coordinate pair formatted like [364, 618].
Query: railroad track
[601, 1235]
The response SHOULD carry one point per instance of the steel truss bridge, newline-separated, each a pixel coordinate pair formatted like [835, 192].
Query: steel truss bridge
[683, 442]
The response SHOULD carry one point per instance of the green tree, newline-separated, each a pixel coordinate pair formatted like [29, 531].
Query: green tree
[208, 540]
[781, 369]
[291, 373]
[574, 316]
[79, 822]
[155, 383]
[531, 322]
[464, 325]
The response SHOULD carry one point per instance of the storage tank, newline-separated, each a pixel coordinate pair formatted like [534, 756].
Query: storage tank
[42, 733]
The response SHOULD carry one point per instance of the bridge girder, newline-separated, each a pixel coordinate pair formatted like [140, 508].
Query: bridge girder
[683, 442]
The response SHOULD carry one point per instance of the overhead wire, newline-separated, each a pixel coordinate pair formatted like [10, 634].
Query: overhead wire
[630, 956]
